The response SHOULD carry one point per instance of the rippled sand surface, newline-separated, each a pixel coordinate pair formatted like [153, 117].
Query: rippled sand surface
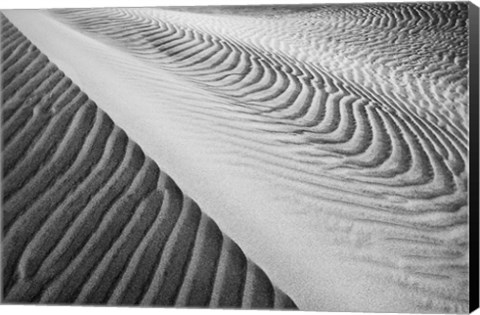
[326, 146]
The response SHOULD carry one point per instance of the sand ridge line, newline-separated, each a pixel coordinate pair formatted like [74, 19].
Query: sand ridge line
[86, 208]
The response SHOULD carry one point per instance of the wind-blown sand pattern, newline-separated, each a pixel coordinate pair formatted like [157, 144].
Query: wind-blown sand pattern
[88, 218]
[329, 142]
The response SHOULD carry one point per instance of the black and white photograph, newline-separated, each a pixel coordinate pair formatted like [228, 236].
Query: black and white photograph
[312, 157]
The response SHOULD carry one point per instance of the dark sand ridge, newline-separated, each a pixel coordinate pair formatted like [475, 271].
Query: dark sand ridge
[89, 219]
[343, 132]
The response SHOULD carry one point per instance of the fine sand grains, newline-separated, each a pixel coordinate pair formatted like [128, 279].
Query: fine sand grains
[89, 219]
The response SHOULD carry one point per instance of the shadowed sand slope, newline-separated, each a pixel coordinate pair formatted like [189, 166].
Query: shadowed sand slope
[330, 142]
[89, 219]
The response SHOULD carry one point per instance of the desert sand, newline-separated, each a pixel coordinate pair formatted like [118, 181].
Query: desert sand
[330, 143]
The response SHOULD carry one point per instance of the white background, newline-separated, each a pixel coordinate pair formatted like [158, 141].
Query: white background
[62, 310]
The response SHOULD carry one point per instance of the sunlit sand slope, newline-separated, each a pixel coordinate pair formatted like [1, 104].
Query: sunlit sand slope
[329, 142]
[89, 219]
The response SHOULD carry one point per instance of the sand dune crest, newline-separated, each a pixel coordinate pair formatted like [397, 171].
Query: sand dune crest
[89, 219]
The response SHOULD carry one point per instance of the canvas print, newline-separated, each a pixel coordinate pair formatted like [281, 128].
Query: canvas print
[310, 157]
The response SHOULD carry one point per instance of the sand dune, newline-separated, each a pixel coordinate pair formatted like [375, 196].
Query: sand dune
[329, 142]
[88, 218]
